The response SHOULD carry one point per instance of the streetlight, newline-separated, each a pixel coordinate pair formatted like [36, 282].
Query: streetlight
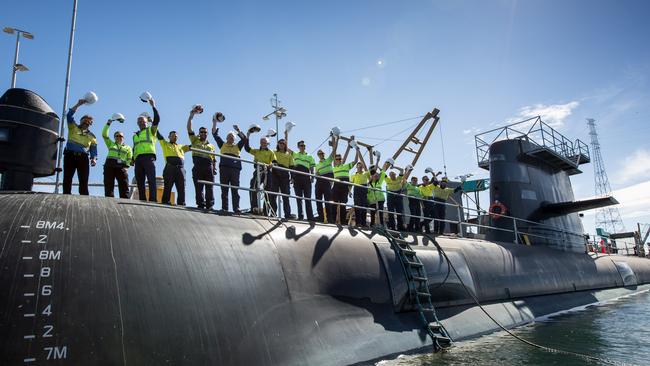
[278, 112]
[16, 66]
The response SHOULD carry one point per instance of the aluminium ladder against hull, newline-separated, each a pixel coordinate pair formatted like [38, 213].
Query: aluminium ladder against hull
[419, 296]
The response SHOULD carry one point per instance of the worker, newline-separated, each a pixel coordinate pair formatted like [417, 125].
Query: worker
[303, 162]
[340, 190]
[117, 163]
[376, 196]
[426, 191]
[395, 186]
[441, 194]
[205, 165]
[174, 172]
[324, 186]
[281, 180]
[360, 193]
[144, 154]
[415, 199]
[263, 157]
[80, 150]
[229, 169]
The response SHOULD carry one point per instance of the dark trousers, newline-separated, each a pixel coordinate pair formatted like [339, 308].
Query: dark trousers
[280, 183]
[324, 192]
[374, 209]
[395, 208]
[265, 182]
[111, 173]
[414, 209]
[360, 197]
[145, 167]
[340, 192]
[427, 208]
[302, 188]
[75, 162]
[229, 175]
[174, 175]
[202, 170]
[439, 210]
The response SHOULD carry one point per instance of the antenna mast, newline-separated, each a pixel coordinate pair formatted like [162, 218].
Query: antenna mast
[607, 218]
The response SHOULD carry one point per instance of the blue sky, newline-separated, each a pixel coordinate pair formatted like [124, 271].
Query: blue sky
[357, 63]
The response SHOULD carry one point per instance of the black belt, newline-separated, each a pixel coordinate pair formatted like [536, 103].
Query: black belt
[174, 161]
[75, 153]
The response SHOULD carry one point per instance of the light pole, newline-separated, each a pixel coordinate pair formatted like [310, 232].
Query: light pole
[16, 66]
[278, 112]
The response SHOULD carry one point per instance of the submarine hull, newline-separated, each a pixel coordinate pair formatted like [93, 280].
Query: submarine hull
[90, 280]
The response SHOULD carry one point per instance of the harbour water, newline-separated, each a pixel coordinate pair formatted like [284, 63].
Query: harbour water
[616, 331]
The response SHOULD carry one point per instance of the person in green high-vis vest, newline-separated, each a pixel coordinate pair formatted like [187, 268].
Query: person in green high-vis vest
[324, 187]
[117, 163]
[144, 154]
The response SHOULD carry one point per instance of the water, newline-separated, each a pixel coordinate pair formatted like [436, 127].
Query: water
[618, 331]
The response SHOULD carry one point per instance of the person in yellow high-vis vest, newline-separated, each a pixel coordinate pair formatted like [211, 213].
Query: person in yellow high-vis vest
[144, 154]
[117, 163]
[205, 164]
[441, 194]
[341, 190]
[263, 157]
[79, 152]
[174, 171]
[229, 169]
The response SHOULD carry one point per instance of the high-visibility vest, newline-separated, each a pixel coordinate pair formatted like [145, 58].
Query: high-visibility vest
[143, 142]
[442, 193]
[81, 137]
[426, 190]
[284, 159]
[324, 166]
[394, 185]
[413, 190]
[230, 149]
[122, 152]
[375, 191]
[203, 145]
[173, 149]
[303, 159]
[265, 156]
[360, 178]
[342, 170]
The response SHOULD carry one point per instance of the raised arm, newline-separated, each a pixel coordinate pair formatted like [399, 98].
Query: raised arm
[156, 116]
[73, 109]
[356, 156]
[105, 136]
[189, 123]
[215, 134]
[363, 163]
[334, 142]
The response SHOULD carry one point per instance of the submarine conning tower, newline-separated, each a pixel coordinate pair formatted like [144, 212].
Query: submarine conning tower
[28, 139]
[530, 166]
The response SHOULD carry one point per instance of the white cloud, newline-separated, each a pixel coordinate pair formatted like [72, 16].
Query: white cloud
[635, 168]
[472, 130]
[554, 114]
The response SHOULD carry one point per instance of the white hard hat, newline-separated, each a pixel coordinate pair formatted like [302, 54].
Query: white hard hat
[198, 108]
[377, 154]
[118, 117]
[233, 133]
[390, 161]
[271, 132]
[218, 117]
[90, 97]
[353, 144]
[145, 97]
[254, 128]
[428, 170]
[288, 126]
[265, 139]
[409, 167]
[336, 131]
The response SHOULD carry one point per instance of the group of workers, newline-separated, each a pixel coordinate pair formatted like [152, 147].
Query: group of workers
[275, 171]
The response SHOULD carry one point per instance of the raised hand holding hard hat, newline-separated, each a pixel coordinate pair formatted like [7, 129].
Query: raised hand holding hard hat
[90, 97]
[254, 128]
[428, 170]
[118, 117]
[289, 126]
[145, 97]
[336, 131]
[197, 108]
[271, 133]
[218, 117]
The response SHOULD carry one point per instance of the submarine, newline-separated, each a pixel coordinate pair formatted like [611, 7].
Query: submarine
[101, 281]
